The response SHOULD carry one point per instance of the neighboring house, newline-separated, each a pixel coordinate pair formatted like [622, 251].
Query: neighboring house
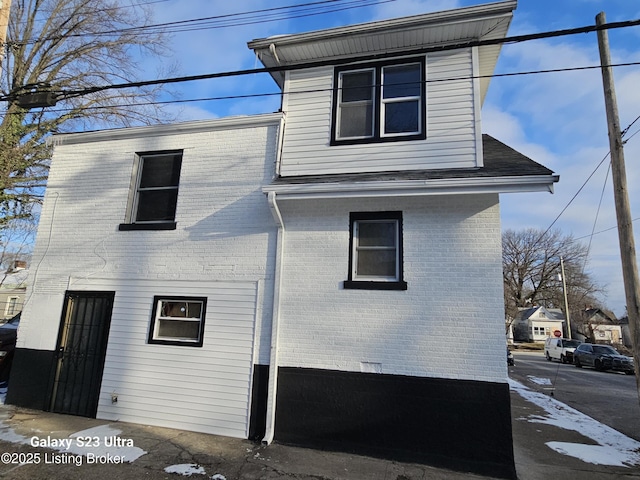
[12, 291]
[599, 326]
[535, 324]
[310, 276]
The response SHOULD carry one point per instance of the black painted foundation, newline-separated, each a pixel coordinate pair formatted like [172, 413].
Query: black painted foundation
[457, 424]
[29, 385]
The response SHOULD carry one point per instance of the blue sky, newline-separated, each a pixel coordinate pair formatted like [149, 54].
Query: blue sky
[557, 119]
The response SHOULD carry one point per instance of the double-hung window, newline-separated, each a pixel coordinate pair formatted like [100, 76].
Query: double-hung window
[11, 307]
[153, 206]
[375, 251]
[381, 102]
[178, 321]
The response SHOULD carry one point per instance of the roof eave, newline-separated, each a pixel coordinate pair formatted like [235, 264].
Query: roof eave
[434, 18]
[266, 48]
[403, 188]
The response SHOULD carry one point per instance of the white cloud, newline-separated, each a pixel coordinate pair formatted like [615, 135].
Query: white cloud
[401, 8]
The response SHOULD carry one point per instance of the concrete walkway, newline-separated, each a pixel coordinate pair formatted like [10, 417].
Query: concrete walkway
[141, 452]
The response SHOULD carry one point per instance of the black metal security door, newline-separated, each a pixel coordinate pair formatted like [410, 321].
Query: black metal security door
[81, 349]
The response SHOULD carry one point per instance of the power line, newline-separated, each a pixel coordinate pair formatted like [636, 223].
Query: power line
[420, 51]
[573, 198]
[582, 187]
[604, 231]
[251, 17]
[73, 94]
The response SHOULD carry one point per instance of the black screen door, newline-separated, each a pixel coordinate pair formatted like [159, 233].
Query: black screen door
[81, 349]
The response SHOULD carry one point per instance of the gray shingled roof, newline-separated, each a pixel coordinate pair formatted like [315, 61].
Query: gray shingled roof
[500, 160]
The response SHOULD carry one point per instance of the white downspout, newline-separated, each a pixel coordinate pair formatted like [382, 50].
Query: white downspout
[275, 323]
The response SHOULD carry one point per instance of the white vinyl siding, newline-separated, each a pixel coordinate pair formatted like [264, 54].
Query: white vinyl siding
[205, 389]
[451, 124]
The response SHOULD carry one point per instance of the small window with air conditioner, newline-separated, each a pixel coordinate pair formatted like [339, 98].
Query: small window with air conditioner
[178, 321]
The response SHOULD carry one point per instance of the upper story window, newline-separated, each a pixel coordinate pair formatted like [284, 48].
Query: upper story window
[375, 254]
[154, 201]
[381, 102]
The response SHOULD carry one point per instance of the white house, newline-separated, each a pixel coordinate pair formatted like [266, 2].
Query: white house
[13, 285]
[308, 277]
[599, 326]
[535, 324]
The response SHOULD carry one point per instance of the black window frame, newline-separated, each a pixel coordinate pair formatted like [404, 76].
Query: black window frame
[159, 224]
[155, 340]
[382, 283]
[378, 135]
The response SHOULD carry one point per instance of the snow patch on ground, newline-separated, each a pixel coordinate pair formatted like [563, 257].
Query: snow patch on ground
[614, 448]
[87, 446]
[538, 380]
[186, 469]
[3, 392]
[127, 452]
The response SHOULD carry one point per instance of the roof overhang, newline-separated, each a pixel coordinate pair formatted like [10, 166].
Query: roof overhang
[455, 186]
[392, 37]
[505, 170]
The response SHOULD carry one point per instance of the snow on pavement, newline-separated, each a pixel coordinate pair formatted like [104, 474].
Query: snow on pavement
[98, 442]
[614, 448]
[188, 469]
[539, 380]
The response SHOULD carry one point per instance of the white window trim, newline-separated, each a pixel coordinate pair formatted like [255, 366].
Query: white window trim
[357, 248]
[375, 282]
[372, 102]
[385, 101]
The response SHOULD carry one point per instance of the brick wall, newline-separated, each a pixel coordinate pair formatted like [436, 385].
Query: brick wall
[225, 230]
[449, 322]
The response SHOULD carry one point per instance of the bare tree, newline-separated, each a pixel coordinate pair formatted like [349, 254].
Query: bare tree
[68, 45]
[531, 268]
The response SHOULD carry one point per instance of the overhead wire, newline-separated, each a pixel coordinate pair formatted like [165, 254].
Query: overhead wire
[582, 187]
[456, 45]
[251, 17]
[77, 93]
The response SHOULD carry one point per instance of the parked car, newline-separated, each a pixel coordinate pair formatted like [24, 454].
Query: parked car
[602, 357]
[510, 360]
[8, 336]
[560, 349]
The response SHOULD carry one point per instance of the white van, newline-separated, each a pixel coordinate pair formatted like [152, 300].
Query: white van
[560, 349]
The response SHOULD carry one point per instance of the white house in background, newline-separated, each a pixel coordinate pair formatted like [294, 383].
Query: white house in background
[299, 276]
[535, 324]
[599, 326]
[12, 290]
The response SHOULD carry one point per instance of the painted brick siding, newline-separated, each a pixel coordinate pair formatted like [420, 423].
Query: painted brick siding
[449, 323]
[224, 227]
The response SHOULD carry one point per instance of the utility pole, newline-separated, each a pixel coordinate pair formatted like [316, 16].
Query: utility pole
[621, 196]
[566, 302]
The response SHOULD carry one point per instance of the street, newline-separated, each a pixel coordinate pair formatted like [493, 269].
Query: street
[609, 397]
